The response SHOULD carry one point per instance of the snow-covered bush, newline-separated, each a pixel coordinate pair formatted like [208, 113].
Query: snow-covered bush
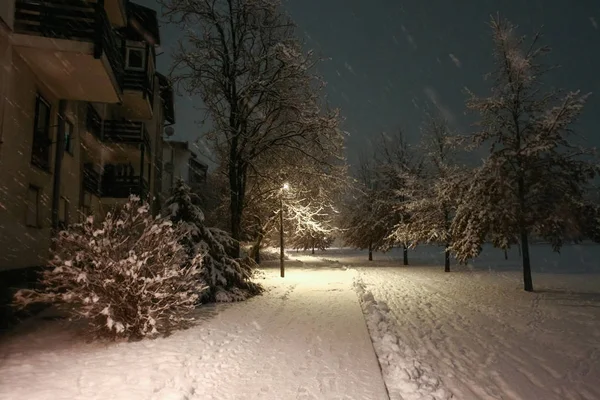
[128, 277]
[228, 279]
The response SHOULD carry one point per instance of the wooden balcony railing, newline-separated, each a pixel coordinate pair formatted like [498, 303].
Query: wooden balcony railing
[124, 131]
[91, 180]
[77, 20]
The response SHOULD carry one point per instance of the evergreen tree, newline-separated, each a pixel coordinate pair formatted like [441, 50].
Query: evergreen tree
[228, 279]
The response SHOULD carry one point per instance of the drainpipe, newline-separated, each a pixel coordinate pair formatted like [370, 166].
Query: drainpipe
[58, 158]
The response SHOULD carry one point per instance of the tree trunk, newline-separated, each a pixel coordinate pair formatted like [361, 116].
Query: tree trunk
[236, 196]
[447, 259]
[256, 248]
[313, 246]
[505, 254]
[405, 252]
[527, 280]
[370, 251]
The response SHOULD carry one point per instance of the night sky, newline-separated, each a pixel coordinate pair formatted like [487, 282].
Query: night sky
[390, 60]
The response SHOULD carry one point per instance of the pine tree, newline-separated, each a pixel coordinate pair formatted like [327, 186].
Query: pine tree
[228, 279]
[534, 180]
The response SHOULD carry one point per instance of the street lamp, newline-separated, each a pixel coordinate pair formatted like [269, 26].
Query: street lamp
[285, 187]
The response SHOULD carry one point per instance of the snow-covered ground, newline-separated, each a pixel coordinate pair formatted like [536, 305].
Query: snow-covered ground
[475, 332]
[304, 339]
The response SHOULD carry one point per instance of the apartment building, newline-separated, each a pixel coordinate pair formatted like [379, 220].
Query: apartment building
[82, 113]
[180, 162]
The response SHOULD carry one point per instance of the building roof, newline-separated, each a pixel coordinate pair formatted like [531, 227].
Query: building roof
[142, 24]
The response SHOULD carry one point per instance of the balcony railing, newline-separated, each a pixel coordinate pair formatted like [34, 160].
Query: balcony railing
[91, 180]
[123, 131]
[93, 121]
[166, 93]
[124, 186]
[139, 81]
[77, 20]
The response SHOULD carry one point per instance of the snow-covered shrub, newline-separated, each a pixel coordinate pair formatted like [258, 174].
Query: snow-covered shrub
[128, 277]
[228, 279]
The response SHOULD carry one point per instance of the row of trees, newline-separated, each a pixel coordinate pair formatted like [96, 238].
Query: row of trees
[535, 181]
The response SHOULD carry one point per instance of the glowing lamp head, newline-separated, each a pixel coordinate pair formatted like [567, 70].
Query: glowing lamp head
[286, 186]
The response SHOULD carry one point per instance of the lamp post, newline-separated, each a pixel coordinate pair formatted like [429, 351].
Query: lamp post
[285, 186]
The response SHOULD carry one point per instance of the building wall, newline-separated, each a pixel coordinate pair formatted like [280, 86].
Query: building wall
[21, 245]
[7, 12]
[180, 159]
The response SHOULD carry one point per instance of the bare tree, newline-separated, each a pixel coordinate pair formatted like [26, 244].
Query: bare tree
[243, 59]
[534, 180]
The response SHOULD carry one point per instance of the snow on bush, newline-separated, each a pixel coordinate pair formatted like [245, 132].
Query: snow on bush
[405, 377]
[228, 279]
[128, 277]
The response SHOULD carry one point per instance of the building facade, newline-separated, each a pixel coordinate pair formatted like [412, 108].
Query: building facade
[180, 162]
[82, 113]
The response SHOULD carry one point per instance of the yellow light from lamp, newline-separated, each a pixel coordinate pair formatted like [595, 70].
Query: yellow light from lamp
[286, 186]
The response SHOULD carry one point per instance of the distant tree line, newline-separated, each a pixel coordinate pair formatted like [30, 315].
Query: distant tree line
[535, 182]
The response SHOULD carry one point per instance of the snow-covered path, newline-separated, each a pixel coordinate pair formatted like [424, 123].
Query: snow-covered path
[304, 339]
[488, 339]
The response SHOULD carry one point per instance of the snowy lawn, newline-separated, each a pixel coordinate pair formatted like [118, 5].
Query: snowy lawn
[305, 338]
[477, 331]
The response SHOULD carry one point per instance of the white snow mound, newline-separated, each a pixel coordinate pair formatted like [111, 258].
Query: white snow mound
[405, 376]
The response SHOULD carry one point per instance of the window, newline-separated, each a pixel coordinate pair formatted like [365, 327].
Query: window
[63, 213]
[136, 58]
[40, 152]
[197, 173]
[69, 137]
[33, 207]
[86, 206]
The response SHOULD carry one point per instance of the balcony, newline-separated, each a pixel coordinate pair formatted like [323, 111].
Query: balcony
[91, 180]
[121, 187]
[138, 94]
[166, 94]
[71, 46]
[93, 122]
[116, 10]
[126, 132]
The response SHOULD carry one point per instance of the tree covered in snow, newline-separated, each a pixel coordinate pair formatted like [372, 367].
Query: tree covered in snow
[128, 276]
[430, 193]
[308, 202]
[227, 279]
[395, 160]
[373, 208]
[244, 60]
[362, 224]
[535, 178]
[311, 225]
